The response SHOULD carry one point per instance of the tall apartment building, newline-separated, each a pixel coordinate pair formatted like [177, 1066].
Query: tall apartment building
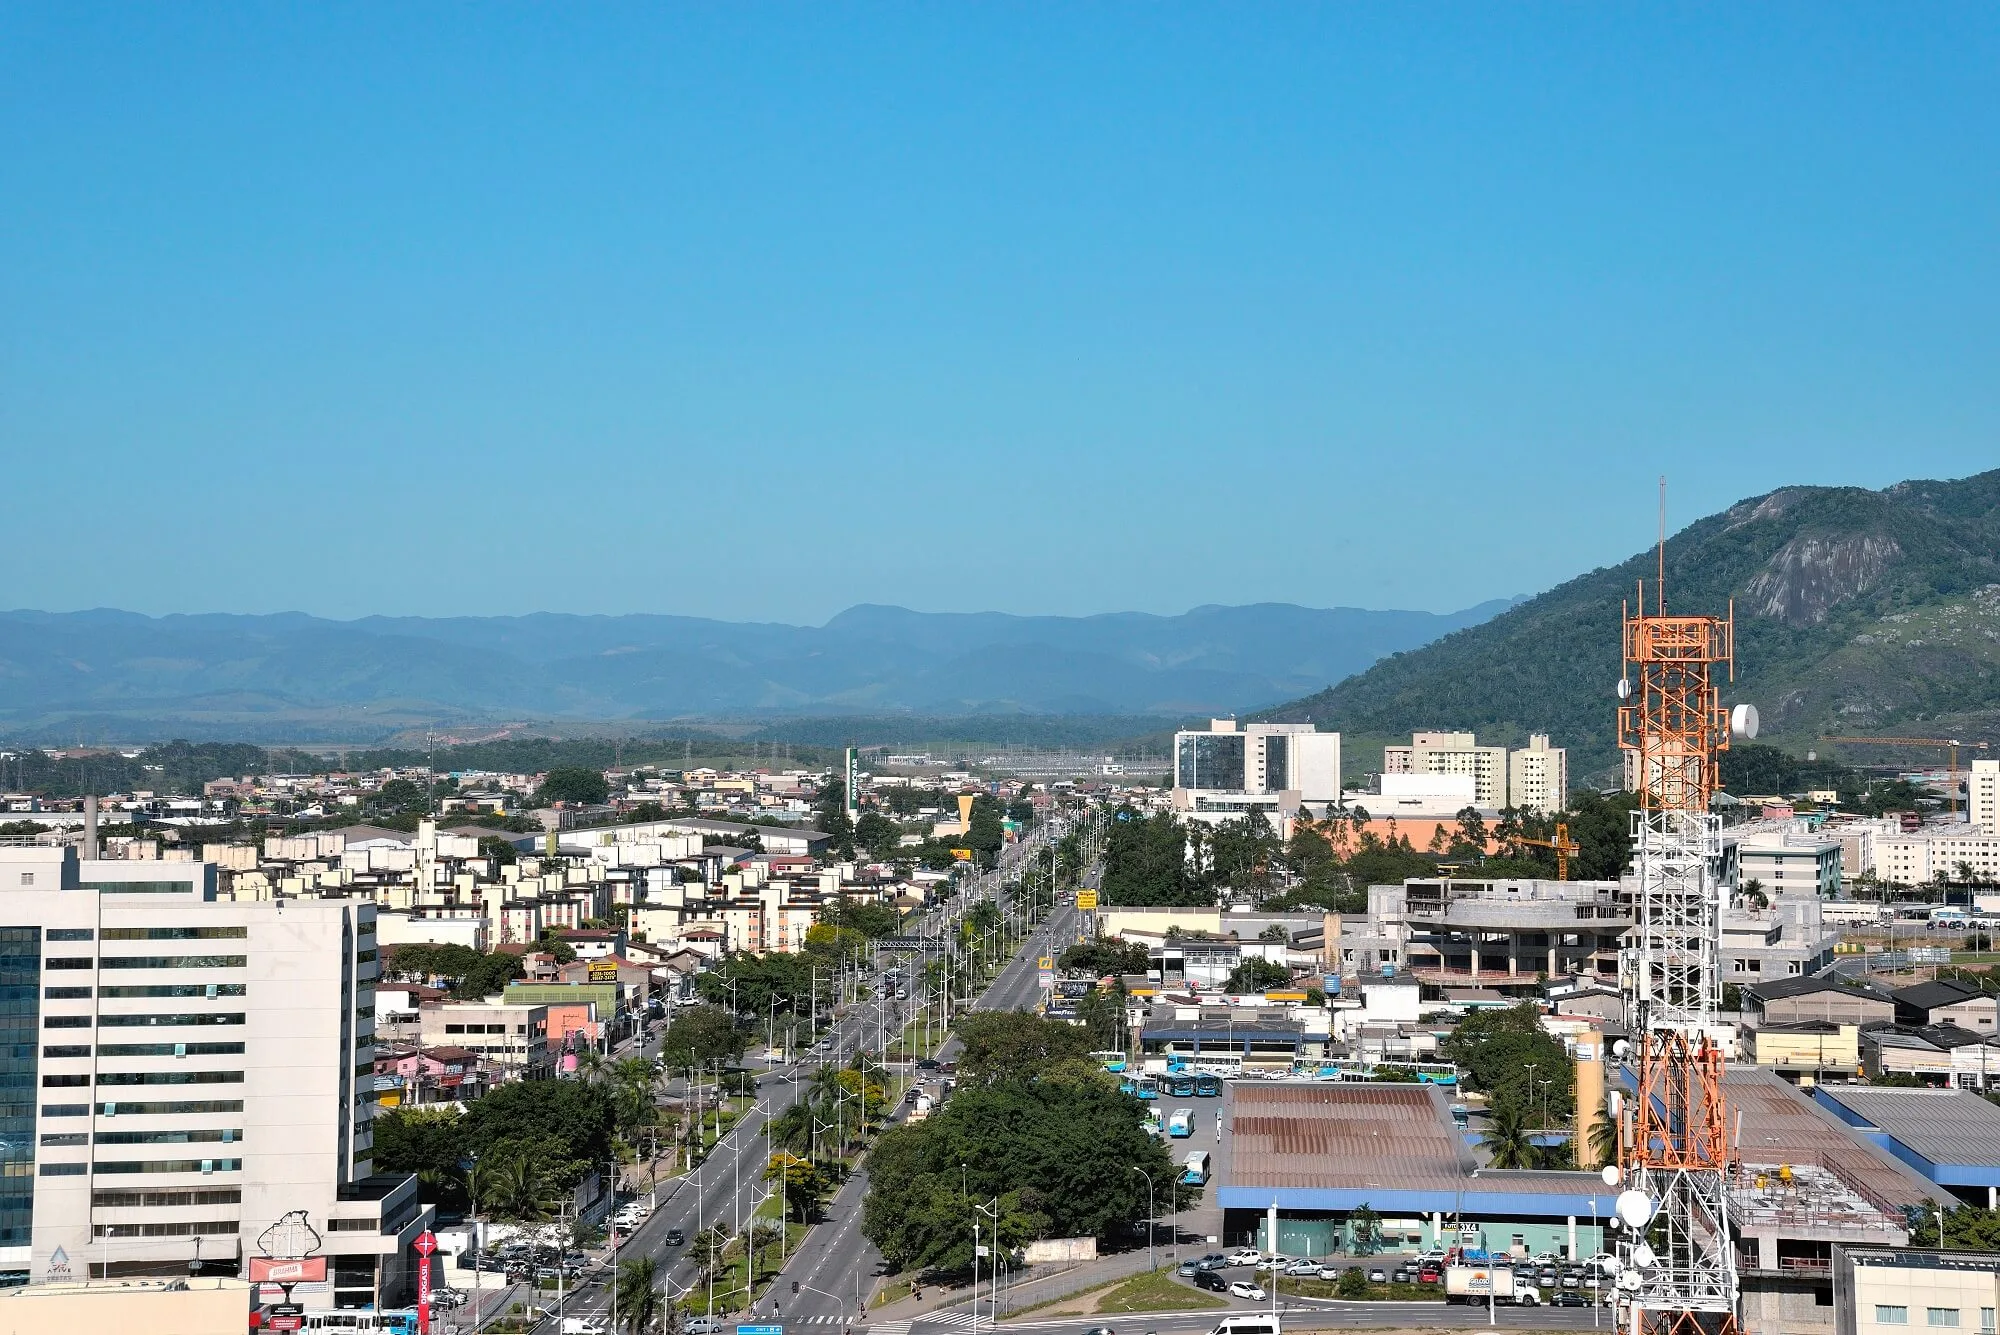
[1982, 796]
[1533, 778]
[1453, 753]
[1538, 776]
[182, 1072]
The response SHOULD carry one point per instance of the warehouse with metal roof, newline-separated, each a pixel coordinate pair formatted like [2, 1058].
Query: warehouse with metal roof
[1950, 1136]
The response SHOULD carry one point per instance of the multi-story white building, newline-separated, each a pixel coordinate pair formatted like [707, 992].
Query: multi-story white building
[1225, 770]
[1453, 753]
[182, 1072]
[1538, 776]
[1533, 778]
[510, 1037]
[1938, 853]
[1982, 796]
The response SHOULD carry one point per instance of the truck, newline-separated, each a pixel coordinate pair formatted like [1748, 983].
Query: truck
[1478, 1283]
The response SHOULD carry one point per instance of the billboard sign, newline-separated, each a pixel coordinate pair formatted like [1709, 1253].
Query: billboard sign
[1929, 955]
[603, 971]
[299, 1270]
[1086, 899]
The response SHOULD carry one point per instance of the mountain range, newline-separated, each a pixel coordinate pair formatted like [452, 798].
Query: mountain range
[291, 676]
[1857, 613]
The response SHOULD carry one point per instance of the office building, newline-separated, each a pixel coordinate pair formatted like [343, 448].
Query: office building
[1226, 769]
[182, 1073]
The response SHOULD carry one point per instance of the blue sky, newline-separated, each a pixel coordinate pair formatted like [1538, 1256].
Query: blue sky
[758, 311]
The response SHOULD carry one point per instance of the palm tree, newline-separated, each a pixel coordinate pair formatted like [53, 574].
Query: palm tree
[1507, 1140]
[1604, 1144]
[635, 1295]
[517, 1187]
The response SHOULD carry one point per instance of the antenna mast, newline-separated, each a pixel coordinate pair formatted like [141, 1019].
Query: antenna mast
[1678, 1272]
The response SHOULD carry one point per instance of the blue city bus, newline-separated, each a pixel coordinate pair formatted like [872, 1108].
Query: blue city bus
[1208, 1086]
[1183, 1086]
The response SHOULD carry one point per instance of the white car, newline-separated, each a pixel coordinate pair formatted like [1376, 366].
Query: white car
[1303, 1268]
[1243, 1288]
[1245, 1256]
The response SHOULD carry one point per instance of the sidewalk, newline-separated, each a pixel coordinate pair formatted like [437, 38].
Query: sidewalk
[1037, 1286]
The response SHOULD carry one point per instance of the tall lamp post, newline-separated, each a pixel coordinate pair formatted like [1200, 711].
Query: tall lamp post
[1152, 1221]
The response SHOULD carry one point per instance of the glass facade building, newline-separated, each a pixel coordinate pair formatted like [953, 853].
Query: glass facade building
[20, 1020]
[1210, 760]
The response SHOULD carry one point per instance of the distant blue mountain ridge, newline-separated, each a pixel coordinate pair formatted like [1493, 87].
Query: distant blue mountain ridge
[108, 665]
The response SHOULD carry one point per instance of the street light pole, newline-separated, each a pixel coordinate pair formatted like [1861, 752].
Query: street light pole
[1152, 1221]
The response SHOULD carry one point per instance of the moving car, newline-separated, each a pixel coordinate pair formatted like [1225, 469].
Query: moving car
[1212, 1261]
[1245, 1256]
[675, 1237]
[1244, 1288]
[1567, 1299]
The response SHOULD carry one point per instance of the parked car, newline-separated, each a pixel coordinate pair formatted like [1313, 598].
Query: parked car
[1378, 1276]
[1303, 1268]
[1212, 1261]
[1208, 1279]
[1188, 1269]
[1402, 1277]
[1244, 1288]
[1245, 1256]
[1569, 1300]
[1329, 1272]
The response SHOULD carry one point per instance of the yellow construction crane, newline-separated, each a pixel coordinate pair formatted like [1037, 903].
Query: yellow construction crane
[1563, 846]
[1951, 745]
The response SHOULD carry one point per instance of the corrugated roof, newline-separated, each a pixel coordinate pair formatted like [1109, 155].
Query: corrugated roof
[1781, 1125]
[1945, 1126]
[1343, 1135]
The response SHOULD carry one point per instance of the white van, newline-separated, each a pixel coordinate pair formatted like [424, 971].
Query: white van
[1265, 1324]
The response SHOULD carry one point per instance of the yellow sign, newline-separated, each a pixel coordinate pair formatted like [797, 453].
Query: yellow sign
[603, 971]
[1284, 996]
[1086, 899]
[962, 854]
[1045, 963]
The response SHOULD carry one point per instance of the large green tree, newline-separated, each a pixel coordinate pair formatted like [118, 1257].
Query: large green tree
[1507, 1054]
[702, 1034]
[1058, 1156]
[1013, 1045]
[573, 783]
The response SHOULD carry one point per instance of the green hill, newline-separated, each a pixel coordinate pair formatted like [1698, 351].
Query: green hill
[1857, 612]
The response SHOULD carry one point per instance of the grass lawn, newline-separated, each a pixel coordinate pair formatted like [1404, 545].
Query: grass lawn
[1157, 1291]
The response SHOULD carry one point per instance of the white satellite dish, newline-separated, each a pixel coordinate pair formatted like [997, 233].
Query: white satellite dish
[1611, 1175]
[1624, 688]
[1634, 1207]
[1628, 1279]
[1619, 1049]
[1611, 1265]
[1743, 722]
[1642, 1256]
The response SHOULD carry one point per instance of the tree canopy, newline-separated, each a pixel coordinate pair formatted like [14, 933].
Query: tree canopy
[573, 783]
[1014, 1045]
[1058, 1157]
[1507, 1054]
